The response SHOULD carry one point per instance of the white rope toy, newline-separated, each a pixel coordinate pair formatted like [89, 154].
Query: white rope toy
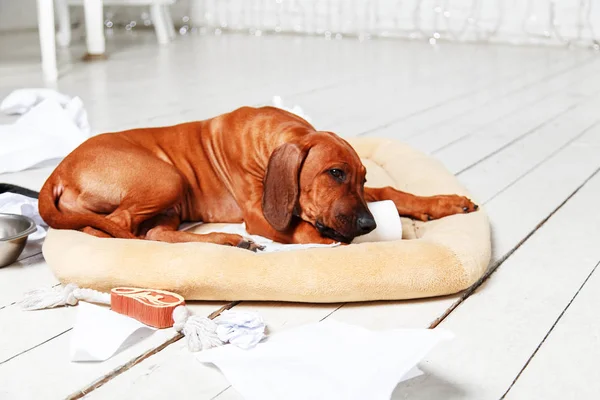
[70, 295]
[200, 332]
[242, 329]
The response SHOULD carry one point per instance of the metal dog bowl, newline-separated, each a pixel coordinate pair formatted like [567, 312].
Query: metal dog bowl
[14, 231]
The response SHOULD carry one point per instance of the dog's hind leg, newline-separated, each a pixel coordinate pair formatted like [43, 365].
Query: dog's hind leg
[163, 228]
[95, 232]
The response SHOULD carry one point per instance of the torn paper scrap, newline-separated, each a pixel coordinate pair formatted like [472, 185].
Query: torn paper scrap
[99, 333]
[327, 360]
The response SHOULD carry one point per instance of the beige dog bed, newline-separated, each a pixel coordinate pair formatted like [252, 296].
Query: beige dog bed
[434, 258]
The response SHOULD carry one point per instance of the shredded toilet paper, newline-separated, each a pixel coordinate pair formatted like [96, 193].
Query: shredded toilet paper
[242, 329]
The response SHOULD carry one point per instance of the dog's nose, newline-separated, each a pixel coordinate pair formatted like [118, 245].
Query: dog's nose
[366, 223]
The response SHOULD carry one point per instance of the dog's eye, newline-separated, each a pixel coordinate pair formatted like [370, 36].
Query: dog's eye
[337, 174]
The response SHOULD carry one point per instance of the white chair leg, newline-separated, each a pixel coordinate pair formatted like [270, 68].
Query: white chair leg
[45, 11]
[169, 21]
[94, 27]
[64, 23]
[196, 11]
[160, 24]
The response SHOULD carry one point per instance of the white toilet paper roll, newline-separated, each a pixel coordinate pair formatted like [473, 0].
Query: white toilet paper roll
[389, 225]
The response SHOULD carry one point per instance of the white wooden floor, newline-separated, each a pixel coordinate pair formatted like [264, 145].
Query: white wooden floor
[519, 126]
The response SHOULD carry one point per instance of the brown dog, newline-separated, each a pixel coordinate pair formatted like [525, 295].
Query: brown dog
[263, 166]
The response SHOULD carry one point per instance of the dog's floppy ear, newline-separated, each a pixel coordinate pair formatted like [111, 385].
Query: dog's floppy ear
[281, 185]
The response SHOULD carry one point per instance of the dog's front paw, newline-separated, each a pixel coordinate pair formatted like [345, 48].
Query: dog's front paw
[250, 245]
[446, 205]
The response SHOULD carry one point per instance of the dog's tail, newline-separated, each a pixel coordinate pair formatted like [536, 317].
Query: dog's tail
[47, 205]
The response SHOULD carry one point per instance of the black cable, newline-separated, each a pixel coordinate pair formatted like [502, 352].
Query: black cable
[7, 187]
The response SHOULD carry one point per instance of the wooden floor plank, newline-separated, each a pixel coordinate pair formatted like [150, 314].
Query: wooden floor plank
[361, 65]
[500, 326]
[56, 377]
[549, 118]
[479, 119]
[530, 75]
[567, 358]
[116, 92]
[424, 91]
[494, 174]
[40, 327]
[23, 276]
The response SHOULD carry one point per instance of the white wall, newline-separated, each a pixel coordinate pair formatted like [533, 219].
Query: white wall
[17, 14]
[317, 15]
[518, 21]
[21, 14]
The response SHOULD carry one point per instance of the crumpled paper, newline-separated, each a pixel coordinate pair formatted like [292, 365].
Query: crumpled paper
[21, 101]
[51, 125]
[242, 329]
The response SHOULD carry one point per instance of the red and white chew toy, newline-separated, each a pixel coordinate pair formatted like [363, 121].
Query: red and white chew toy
[149, 306]
[159, 309]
